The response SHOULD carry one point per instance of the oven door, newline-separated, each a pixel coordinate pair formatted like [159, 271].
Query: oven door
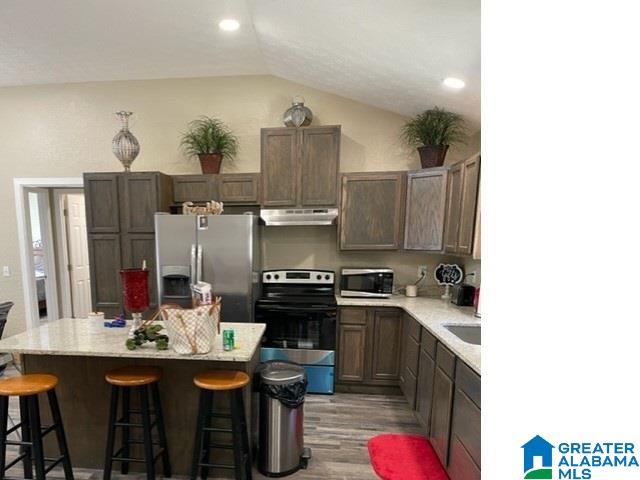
[299, 327]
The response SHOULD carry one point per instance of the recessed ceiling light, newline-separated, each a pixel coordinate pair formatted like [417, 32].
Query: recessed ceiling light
[229, 25]
[453, 82]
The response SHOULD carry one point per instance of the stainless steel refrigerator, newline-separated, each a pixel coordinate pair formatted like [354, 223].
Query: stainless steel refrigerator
[222, 250]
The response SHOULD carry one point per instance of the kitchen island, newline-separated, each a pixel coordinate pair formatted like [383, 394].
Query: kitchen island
[80, 351]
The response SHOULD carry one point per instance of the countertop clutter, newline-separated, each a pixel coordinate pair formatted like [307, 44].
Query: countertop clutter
[84, 337]
[432, 313]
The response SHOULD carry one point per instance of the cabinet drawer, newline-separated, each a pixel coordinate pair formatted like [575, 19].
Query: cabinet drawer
[446, 360]
[461, 465]
[412, 355]
[353, 316]
[468, 381]
[428, 343]
[413, 327]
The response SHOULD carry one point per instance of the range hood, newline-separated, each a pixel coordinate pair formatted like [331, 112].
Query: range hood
[298, 216]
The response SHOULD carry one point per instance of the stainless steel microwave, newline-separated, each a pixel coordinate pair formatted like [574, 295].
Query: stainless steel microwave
[366, 282]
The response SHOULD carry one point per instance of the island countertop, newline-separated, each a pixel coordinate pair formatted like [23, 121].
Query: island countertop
[88, 337]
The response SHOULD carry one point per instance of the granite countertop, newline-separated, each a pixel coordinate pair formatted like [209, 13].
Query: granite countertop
[84, 337]
[432, 313]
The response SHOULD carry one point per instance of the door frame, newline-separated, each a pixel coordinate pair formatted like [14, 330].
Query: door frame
[21, 185]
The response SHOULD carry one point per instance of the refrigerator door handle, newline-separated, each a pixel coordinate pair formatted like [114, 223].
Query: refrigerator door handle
[199, 265]
[194, 267]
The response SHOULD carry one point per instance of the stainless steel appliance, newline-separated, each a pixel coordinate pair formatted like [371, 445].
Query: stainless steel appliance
[299, 309]
[219, 249]
[298, 216]
[366, 282]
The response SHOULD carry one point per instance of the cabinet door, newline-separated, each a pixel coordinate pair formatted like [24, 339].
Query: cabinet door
[139, 201]
[139, 247]
[461, 465]
[470, 179]
[424, 389]
[454, 200]
[239, 188]
[425, 209]
[477, 249]
[194, 188]
[385, 354]
[101, 202]
[279, 167]
[441, 414]
[105, 261]
[319, 165]
[371, 213]
[352, 341]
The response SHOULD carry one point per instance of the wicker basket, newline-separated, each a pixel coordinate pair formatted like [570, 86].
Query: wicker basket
[192, 331]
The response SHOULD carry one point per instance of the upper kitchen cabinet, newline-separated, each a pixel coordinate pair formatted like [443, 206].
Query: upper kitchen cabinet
[194, 188]
[462, 197]
[372, 211]
[142, 195]
[239, 188]
[425, 209]
[101, 202]
[299, 166]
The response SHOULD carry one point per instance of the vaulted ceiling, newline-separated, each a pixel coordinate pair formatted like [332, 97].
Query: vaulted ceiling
[393, 54]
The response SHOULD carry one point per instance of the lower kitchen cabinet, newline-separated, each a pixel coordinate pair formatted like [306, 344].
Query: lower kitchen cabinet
[424, 389]
[440, 425]
[411, 330]
[369, 346]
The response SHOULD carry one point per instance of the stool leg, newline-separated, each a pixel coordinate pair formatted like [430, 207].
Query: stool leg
[206, 454]
[62, 440]
[157, 405]
[197, 443]
[126, 418]
[4, 415]
[146, 432]
[26, 437]
[113, 418]
[241, 450]
[36, 435]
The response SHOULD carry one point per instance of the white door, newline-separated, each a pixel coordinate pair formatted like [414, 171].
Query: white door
[78, 255]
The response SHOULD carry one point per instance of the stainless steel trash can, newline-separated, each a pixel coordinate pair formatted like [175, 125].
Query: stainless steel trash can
[281, 451]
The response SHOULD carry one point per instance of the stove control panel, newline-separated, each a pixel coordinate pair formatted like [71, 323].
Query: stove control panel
[315, 277]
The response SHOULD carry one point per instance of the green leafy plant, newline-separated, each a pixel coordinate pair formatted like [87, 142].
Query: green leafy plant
[208, 135]
[148, 333]
[435, 127]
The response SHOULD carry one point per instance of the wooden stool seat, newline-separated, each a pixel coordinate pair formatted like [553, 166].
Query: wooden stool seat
[29, 384]
[133, 376]
[221, 380]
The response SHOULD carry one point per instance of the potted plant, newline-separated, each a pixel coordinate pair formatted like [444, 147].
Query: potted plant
[211, 141]
[432, 132]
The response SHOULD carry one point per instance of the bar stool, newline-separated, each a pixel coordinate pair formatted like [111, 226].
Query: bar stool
[27, 387]
[210, 382]
[145, 380]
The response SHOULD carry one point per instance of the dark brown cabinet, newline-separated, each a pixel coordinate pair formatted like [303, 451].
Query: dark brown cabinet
[465, 446]
[299, 166]
[120, 228]
[194, 188]
[369, 346]
[371, 214]
[239, 188]
[425, 209]
[462, 205]
[410, 358]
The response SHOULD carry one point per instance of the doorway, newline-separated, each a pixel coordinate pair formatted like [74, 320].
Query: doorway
[53, 248]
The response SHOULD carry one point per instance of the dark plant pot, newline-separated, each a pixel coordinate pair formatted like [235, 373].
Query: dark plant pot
[432, 155]
[210, 162]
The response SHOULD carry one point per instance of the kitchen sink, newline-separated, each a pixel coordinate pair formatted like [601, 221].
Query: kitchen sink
[466, 333]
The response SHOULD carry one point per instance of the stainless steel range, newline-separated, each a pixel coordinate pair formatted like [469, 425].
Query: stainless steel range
[299, 309]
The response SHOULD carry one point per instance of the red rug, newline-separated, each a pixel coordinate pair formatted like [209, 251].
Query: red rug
[405, 457]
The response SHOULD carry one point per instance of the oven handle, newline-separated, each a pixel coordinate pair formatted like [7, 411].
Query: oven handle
[296, 309]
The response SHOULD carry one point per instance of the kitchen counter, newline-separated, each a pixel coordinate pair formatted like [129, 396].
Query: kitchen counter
[85, 337]
[432, 313]
[80, 352]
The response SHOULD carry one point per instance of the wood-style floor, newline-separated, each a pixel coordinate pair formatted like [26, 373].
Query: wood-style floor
[337, 428]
